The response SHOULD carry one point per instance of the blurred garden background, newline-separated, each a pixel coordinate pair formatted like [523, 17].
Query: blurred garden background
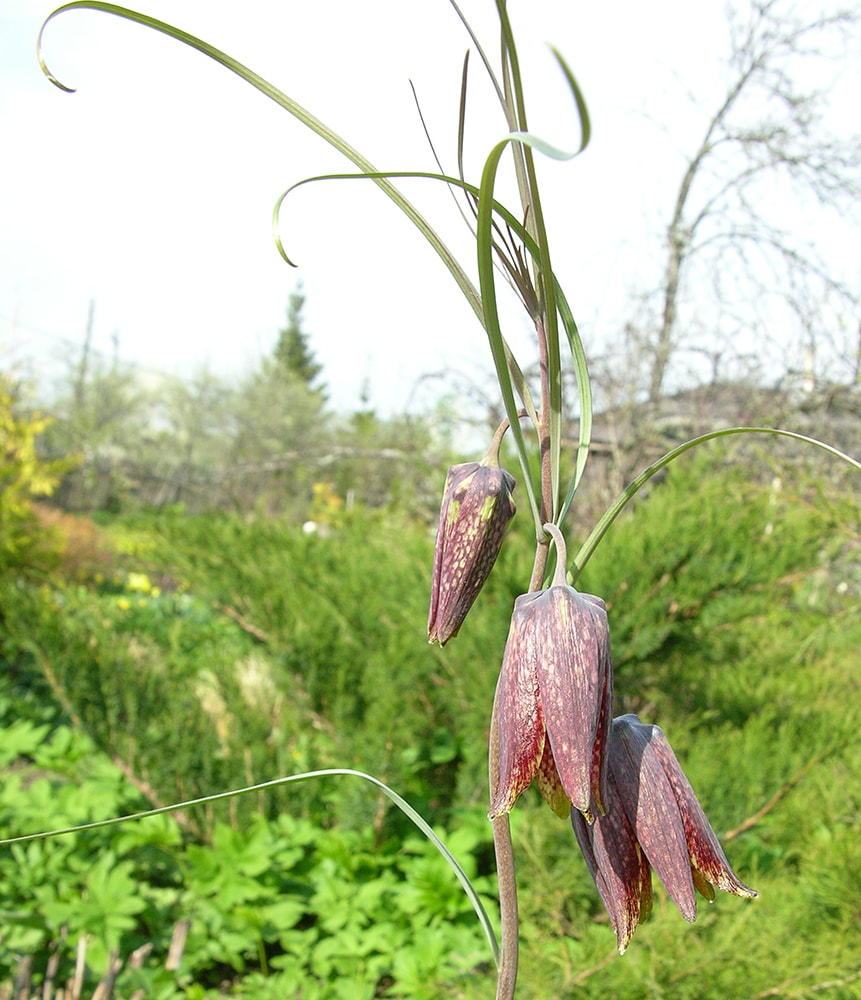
[215, 586]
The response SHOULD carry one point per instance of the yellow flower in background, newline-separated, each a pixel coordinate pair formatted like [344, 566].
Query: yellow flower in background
[138, 583]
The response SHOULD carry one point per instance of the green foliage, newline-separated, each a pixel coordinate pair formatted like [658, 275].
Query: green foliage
[265, 652]
[300, 909]
[161, 671]
[342, 620]
[710, 550]
[221, 651]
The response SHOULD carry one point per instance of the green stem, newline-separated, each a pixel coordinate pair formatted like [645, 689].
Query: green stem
[502, 845]
[544, 435]
[506, 975]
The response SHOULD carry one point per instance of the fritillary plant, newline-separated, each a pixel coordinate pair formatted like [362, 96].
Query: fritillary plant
[616, 780]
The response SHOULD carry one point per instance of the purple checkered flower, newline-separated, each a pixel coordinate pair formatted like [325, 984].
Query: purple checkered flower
[554, 699]
[653, 820]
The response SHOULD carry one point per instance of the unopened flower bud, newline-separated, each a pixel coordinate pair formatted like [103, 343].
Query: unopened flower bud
[476, 508]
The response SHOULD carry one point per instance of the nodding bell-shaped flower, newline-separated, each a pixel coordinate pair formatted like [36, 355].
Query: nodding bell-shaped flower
[553, 703]
[653, 820]
[476, 508]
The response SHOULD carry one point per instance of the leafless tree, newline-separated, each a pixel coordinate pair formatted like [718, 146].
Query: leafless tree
[732, 244]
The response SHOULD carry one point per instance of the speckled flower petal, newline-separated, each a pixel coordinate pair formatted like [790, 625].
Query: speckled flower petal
[519, 721]
[571, 638]
[550, 786]
[476, 508]
[650, 804]
[707, 858]
[621, 872]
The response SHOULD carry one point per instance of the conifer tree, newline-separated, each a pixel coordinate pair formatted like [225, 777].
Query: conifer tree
[292, 351]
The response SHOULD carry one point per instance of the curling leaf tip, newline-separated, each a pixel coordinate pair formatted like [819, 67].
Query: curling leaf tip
[42, 64]
[579, 99]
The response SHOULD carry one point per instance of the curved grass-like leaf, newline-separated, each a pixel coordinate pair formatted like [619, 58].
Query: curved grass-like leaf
[602, 527]
[566, 315]
[547, 319]
[487, 285]
[295, 109]
[402, 804]
[546, 286]
[580, 100]
[504, 362]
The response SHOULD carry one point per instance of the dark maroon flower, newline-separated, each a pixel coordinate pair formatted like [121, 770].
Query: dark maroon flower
[476, 508]
[554, 698]
[653, 819]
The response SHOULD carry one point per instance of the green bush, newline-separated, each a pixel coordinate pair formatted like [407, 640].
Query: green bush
[286, 901]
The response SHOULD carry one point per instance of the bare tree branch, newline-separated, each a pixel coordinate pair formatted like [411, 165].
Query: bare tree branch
[767, 145]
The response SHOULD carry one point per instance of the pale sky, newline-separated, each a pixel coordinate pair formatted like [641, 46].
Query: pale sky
[150, 190]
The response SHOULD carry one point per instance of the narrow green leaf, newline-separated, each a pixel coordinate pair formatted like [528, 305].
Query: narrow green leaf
[579, 100]
[588, 547]
[461, 117]
[487, 285]
[402, 804]
[584, 392]
[481, 53]
[298, 112]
